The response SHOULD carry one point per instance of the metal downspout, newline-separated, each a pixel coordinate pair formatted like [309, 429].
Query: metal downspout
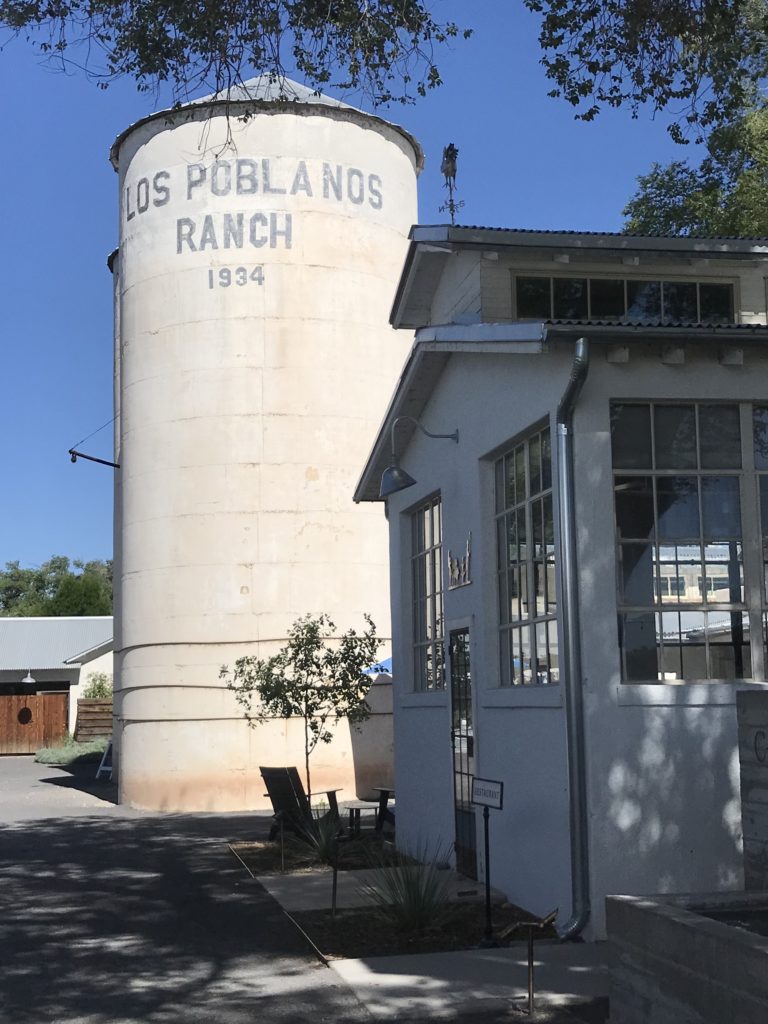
[574, 697]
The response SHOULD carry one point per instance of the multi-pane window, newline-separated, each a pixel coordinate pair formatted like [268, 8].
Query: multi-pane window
[526, 564]
[634, 300]
[685, 493]
[760, 452]
[427, 591]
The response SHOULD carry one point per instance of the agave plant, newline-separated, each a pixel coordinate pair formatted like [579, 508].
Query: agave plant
[321, 834]
[412, 890]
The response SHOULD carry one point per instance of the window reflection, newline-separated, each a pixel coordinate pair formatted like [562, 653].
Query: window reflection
[679, 540]
[675, 434]
[427, 597]
[678, 507]
[680, 305]
[644, 300]
[720, 431]
[619, 298]
[526, 564]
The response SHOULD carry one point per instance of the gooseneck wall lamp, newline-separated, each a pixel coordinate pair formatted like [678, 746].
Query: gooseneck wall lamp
[394, 478]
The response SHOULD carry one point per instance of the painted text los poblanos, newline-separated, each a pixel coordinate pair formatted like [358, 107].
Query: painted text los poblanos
[238, 229]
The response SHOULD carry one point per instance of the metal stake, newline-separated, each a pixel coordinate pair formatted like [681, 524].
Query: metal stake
[531, 1008]
[335, 881]
[488, 941]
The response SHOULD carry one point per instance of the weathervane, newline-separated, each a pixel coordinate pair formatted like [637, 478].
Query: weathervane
[448, 167]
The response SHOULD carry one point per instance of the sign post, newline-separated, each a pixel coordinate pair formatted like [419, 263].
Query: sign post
[487, 793]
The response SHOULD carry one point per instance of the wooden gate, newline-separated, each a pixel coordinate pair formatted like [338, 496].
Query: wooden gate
[28, 723]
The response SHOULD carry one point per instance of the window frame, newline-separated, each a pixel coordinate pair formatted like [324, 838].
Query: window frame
[541, 674]
[755, 594]
[660, 278]
[762, 552]
[427, 607]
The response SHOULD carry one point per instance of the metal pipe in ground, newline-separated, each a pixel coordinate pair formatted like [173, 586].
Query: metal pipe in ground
[335, 888]
[531, 998]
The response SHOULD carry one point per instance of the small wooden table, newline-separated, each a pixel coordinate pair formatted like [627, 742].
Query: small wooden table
[384, 814]
[354, 807]
[379, 805]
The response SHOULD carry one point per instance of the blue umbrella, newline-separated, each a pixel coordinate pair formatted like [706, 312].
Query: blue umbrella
[383, 667]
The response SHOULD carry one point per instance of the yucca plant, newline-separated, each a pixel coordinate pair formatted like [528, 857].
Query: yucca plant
[412, 891]
[321, 834]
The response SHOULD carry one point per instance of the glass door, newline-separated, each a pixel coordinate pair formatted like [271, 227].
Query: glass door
[463, 744]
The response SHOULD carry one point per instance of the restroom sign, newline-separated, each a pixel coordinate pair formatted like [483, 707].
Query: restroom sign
[487, 793]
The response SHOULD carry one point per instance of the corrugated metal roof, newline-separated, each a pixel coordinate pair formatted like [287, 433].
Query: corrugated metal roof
[656, 324]
[602, 234]
[46, 643]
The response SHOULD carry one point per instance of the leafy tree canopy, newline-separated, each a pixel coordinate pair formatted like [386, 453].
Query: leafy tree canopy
[317, 676]
[726, 195]
[384, 47]
[704, 59]
[57, 587]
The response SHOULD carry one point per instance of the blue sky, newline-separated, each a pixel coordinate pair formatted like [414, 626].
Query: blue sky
[524, 162]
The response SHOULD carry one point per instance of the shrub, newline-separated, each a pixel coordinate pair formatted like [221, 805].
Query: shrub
[70, 752]
[322, 836]
[98, 686]
[414, 893]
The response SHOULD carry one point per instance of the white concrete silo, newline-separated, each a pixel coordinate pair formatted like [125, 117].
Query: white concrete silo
[257, 263]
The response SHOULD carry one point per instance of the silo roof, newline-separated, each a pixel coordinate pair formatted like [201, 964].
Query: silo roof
[273, 91]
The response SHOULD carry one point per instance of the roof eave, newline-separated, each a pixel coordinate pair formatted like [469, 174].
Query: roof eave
[739, 333]
[411, 393]
[729, 247]
[91, 653]
[522, 338]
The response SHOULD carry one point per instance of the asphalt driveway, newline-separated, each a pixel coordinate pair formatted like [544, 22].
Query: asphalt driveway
[109, 916]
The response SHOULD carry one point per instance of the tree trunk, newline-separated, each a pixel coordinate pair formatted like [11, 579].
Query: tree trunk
[306, 759]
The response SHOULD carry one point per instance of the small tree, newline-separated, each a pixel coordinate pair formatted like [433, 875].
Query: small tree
[318, 676]
[98, 686]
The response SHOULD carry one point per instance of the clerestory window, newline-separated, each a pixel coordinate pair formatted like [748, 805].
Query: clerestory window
[619, 299]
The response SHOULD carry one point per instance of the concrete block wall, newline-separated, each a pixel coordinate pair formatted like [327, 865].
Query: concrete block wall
[752, 710]
[671, 965]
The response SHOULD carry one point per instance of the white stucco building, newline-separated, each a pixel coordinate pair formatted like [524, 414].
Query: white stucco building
[593, 547]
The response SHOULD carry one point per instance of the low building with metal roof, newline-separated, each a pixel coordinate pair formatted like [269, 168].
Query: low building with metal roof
[53, 655]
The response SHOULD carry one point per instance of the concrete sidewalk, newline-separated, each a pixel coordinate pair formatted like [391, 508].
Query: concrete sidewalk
[113, 916]
[471, 984]
[438, 986]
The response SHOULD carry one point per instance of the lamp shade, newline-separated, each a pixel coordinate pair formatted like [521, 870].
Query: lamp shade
[394, 479]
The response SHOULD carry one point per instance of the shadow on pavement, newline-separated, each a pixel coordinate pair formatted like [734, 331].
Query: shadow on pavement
[83, 778]
[121, 921]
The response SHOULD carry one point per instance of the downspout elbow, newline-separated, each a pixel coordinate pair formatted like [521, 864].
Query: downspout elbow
[579, 369]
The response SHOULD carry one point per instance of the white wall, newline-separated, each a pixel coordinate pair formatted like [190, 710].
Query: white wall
[662, 764]
[519, 735]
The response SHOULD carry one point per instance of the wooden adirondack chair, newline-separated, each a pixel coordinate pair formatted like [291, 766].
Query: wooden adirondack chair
[289, 801]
